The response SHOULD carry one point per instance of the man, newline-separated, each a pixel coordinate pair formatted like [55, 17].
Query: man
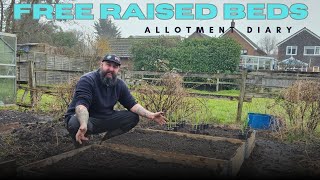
[91, 110]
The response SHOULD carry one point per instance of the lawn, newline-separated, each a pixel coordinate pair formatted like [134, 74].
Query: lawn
[223, 92]
[223, 111]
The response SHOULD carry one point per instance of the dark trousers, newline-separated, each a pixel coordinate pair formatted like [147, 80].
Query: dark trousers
[115, 124]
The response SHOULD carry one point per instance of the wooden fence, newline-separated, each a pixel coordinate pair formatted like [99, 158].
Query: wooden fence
[256, 79]
[250, 84]
[40, 70]
[49, 70]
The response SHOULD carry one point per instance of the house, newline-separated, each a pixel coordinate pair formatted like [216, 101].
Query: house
[303, 45]
[196, 35]
[252, 57]
[122, 47]
[248, 46]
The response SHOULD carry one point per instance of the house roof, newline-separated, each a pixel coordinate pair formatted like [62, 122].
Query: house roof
[121, 46]
[198, 35]
[254, 45]
[153, 37]
[295, 34]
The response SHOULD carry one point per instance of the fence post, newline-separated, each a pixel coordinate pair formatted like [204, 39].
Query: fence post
[242, 94]
[217, 85]
[123, 75]
[32, 82]
[46, 67]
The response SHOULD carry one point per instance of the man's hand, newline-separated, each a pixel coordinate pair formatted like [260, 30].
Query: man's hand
[159, 118]
[80, 134]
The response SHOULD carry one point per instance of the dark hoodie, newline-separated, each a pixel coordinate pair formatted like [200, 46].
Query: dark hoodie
[98, 98]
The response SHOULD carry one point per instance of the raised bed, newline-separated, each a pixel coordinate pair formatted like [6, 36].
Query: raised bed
[108, 161]
[145, 153]
[216, 131]
[224, 155]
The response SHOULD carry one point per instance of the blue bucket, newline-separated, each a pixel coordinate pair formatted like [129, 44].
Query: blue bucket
[259, 121]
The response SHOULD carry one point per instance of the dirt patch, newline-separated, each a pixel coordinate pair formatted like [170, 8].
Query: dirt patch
[99, 162]
[179, 144]
[9, 127]
[212, 130]
[270, 157]
[10, 116]
[31, 139]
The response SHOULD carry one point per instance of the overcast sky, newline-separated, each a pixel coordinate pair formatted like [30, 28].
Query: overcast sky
[134, 26]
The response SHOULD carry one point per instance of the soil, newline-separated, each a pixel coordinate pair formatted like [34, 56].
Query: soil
[37, 137]
[26, 137]
[164, 142]
[99, 162]
[212, 130]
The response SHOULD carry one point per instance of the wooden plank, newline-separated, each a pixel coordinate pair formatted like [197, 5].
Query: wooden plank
[218, 165]
[193, 136]
[242, 95]
[8, 169]
[199, 75]
[217, 84]
[22, 170]
[226, 167]
[24, 95]
[215, 96]
[236, 161]
[190, 82]
[250, 144]
[32, 82]
[59, 70]
[283, 77]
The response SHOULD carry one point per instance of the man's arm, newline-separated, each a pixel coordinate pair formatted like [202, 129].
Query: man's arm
[82, 115]
[138, 109]
[158, 116]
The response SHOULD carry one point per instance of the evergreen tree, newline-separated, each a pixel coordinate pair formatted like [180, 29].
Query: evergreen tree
[107, 29]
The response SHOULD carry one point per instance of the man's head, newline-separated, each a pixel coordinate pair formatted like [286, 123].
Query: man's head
[109, 68]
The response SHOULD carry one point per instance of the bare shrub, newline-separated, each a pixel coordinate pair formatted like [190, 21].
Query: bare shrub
[63, 96]
[301, 103]
[167, 95]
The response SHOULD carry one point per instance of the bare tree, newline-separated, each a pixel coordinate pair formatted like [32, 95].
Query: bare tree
[9, 19]
[2, 15]
[268, 44]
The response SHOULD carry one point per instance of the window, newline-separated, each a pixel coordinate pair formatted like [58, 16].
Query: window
[244, 52]
[316, 69]
[311, 50]
[292, 50]
[317, 52]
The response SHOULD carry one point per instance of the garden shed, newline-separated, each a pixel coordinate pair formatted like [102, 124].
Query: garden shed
[8, 46]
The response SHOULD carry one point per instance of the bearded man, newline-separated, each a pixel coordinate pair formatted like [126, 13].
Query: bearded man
[92, 108]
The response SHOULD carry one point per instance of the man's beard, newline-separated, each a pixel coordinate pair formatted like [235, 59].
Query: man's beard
[107, 81]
